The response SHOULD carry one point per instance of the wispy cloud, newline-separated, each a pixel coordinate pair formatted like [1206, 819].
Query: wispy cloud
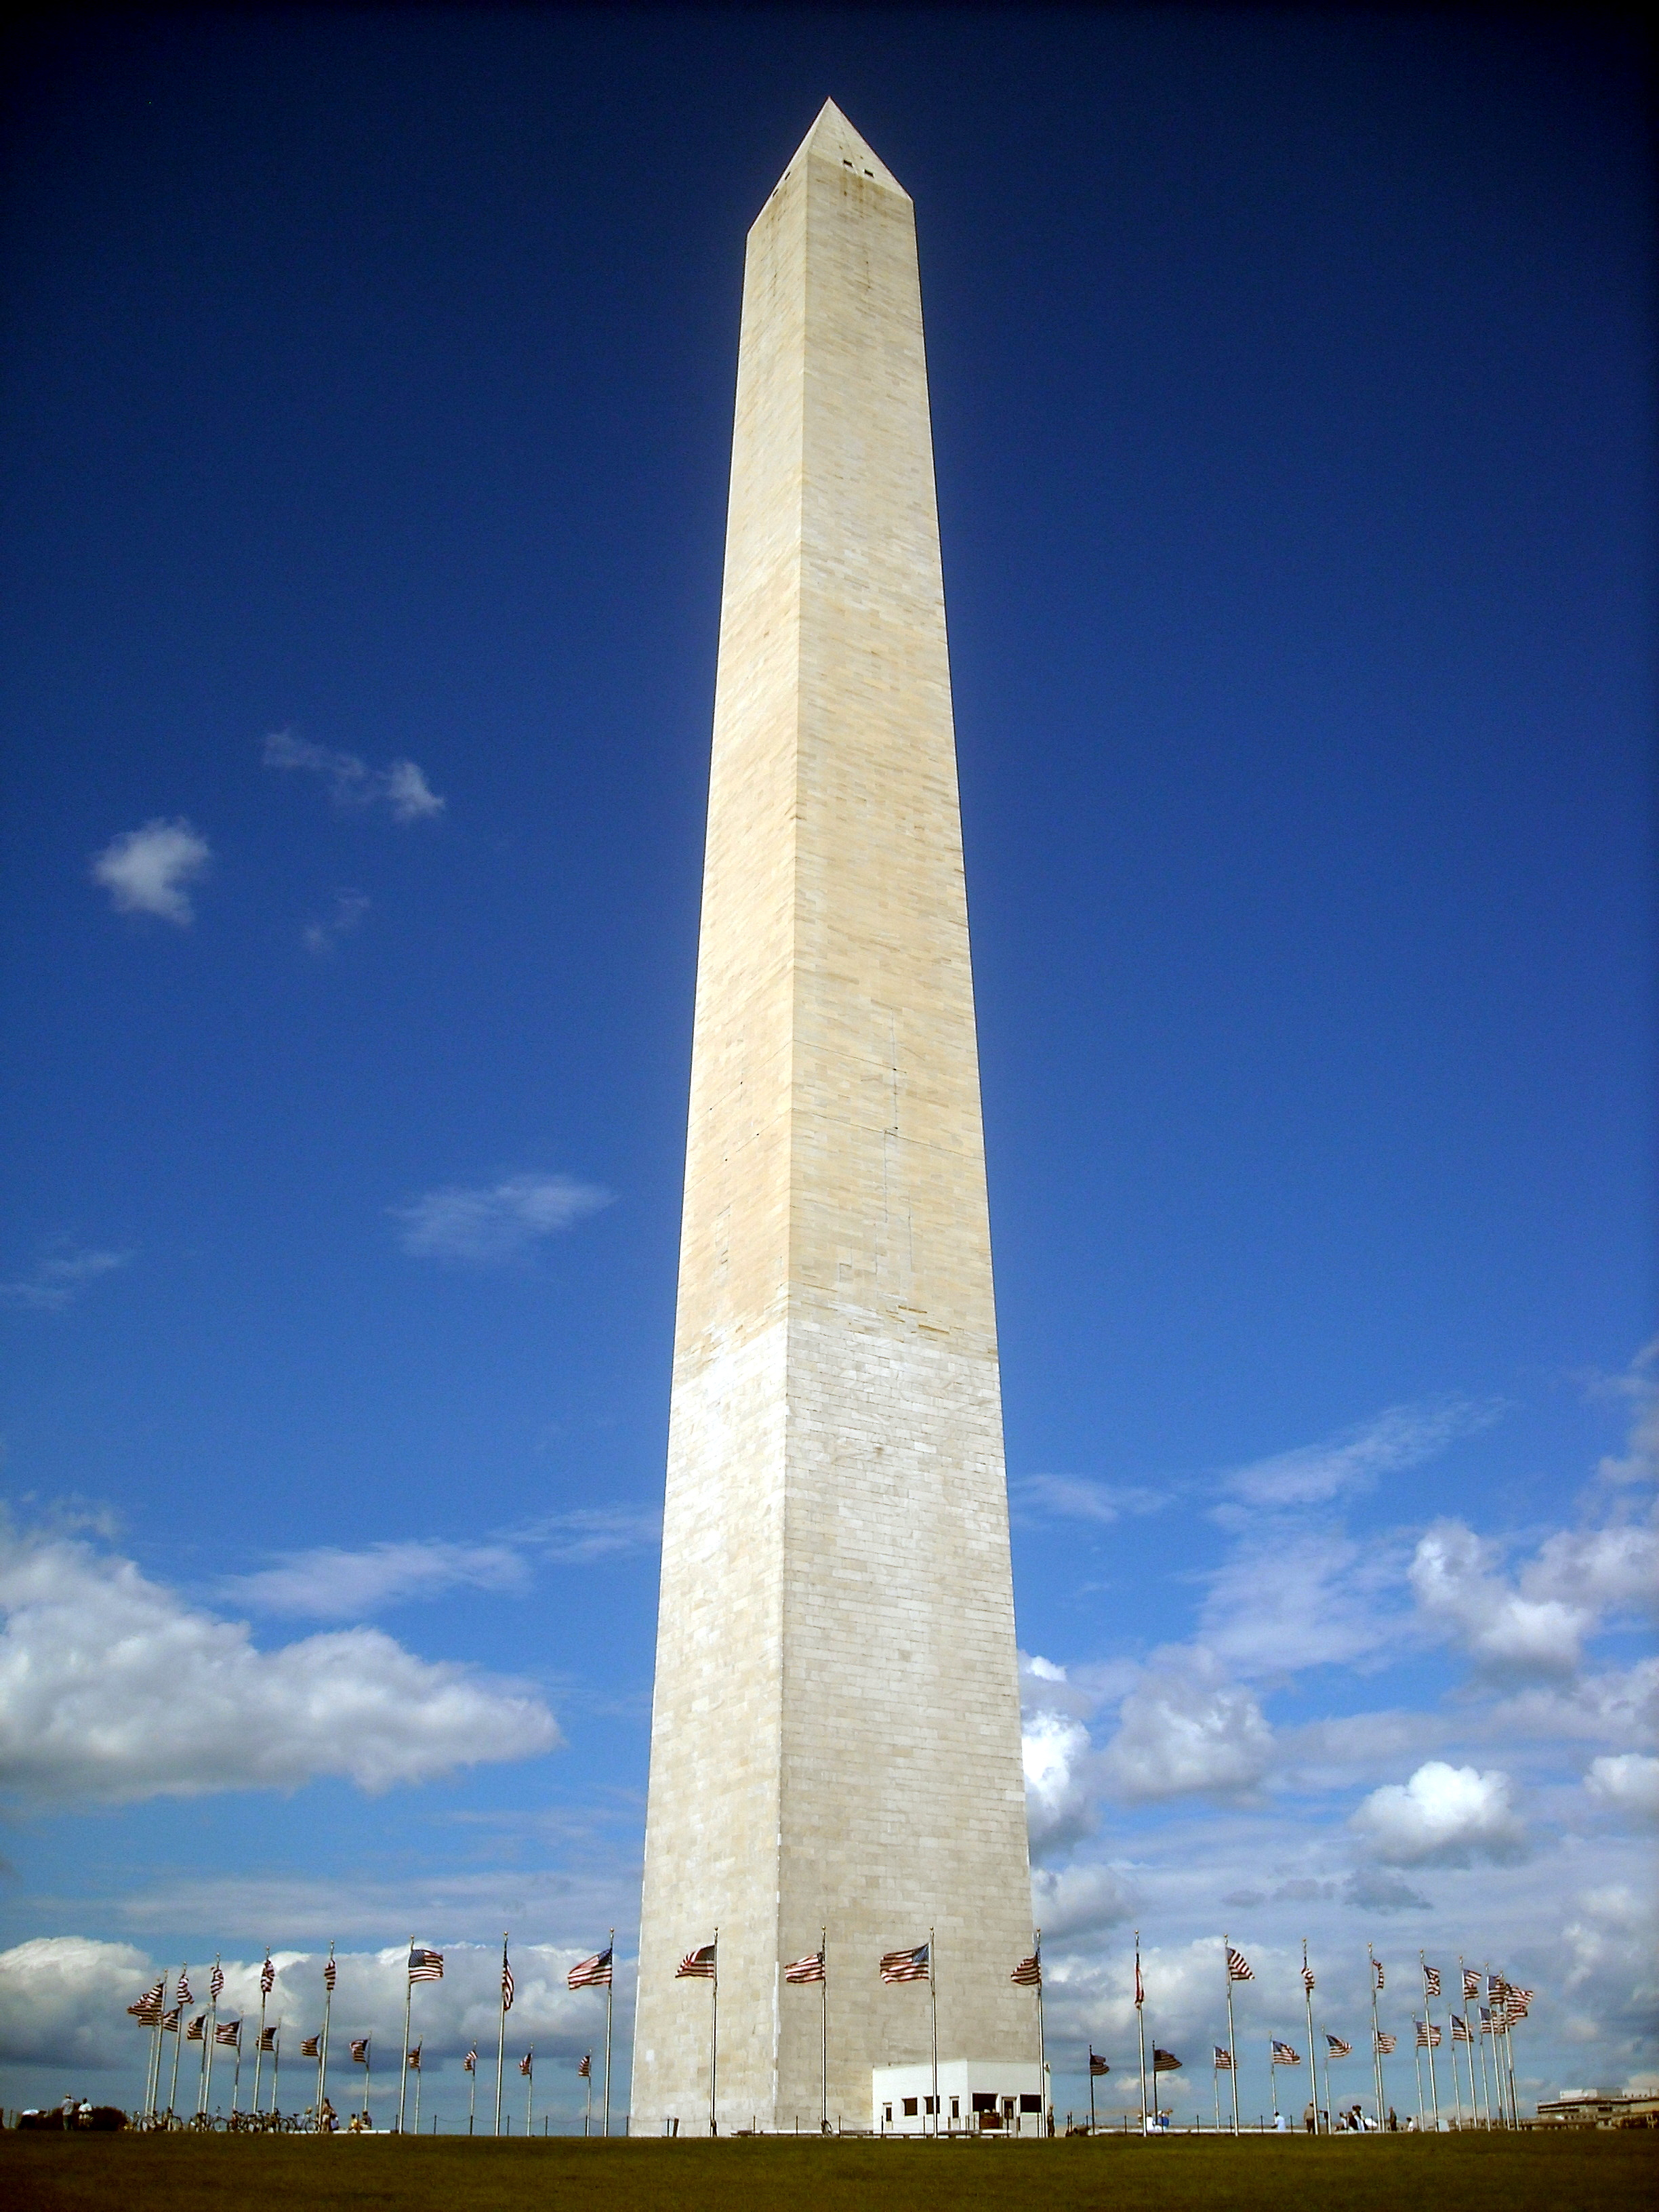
[329, 1583]
[322, 937]
[58, 1278]
[149, 871]
[489, 1224]
[1078, 1497]
[401, 786]
[1403, 1436]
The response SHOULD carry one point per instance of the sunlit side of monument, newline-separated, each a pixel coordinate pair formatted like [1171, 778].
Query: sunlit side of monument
[835, 1740]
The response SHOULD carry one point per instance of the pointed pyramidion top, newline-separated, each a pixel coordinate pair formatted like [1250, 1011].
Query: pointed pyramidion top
[832, 138]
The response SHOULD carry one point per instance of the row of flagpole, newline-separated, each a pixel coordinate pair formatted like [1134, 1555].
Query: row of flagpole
[1496, 2104]
[423, 1964]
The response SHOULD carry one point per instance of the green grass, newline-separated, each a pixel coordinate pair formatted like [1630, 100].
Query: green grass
[1403, 2173]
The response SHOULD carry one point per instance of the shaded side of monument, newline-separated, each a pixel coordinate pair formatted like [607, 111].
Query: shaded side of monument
[835, 1739]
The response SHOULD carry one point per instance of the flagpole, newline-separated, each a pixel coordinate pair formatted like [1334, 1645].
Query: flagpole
[1141, 2030]
[417, 2102]
[1272, 2078]
[1043, 2052]
[322, 2053]
[403, 2074]
[276, 2063]
[259, 2049]
[1419, 2037]
[714, 2036]
[1482, 2014]
[501, 2039]
[932, 1998]
[177, 2038]
[1233, 2047]
[587, 2110]
[1428, 2017]
[823, 1999]
[529, 2087]
[1313, 2055]
[472, 2094]
[212, 2038]
[1092, 2092]
[1376, 2048]
[609, 1992]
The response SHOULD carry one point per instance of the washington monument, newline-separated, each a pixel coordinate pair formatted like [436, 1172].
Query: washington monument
[835, 1740]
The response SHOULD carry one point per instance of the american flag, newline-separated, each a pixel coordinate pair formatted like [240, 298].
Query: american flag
[1097, 2064]
[230, 2031]
[808, 1969]
[1337, 2048]
[329, 1973]
[1224, 2059]
[196, 2032]
[216, 1982]
[697, 1965]
[1430, 1981]
[506, 1981]
[1028, 1972]
[1386, 2043]
[170, 2021]
[1428, 2035]
[1522, 1997]
[1471, 1984]
[527, 2063]
[905, 1965]
[1238, 1967]
[425, 1966]
[415, 2056]
[585, 2071]
[1164, 2062]
[1461, 2031]
[359, 2050]
[148, 2007]
[183, 1990]
[1140, 1987]
[1284, 2056]
[1377, 1964]
[470, 2063]
[1495, 1985]
[267, 1977]
[1307, 1981]
[593, 1973]
[311, 2046]
[1485, 2020]
[267, 2039]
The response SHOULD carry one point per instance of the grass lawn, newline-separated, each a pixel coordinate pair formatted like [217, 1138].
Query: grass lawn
[1601, 2172]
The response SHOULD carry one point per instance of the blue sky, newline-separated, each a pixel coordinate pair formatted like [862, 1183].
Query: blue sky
[367, 413]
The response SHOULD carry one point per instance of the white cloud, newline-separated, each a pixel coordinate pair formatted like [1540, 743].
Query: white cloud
[331, 1584]
[494, 1222]
[1184, 1727]
[1619, 1707]
[113, 1688]
[1599, 1571]
[1078, 1900]
[1286, 1601]
[1403, 1436]
[402, 786]
[62, 2000]
[1627, 1783]
[1055, 1750]
[58, 1279]
[1453, 1579]
[1076, 1498]
[1639, 1385]
[322, 937]
[1443, 1816]
[148, 871]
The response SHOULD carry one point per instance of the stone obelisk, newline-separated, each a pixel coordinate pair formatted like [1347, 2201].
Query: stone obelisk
[835, 1739]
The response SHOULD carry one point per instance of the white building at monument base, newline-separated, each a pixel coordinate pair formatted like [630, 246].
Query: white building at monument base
[976, 2096]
